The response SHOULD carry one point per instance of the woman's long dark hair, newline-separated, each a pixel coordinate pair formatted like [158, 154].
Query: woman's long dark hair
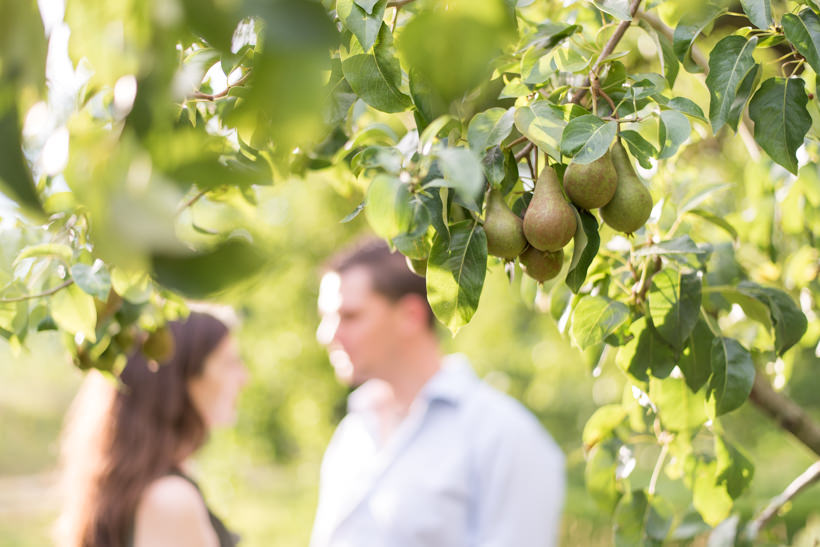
[137, 433]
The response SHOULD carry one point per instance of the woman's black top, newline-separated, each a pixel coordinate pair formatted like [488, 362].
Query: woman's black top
[225, 536]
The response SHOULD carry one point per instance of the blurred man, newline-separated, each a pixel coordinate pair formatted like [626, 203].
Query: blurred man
[428, 455]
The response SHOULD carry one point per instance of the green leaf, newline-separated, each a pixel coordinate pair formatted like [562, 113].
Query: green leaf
[489, 128]
[366, 5]
[781, 119]
[673, 130]
[709, 498]
[364, 24]
[671, 65]
[744, 93]
[679, 408]
[587, 241]
[543, 124]
[602, 423]
[587, 138]
[803, 31]
[455, 273]
[74, 312]
[451, 50]
[135, 287]
[759, 12]
[14, 173]
[646, 353]
[734, 469]
[674, 305]
[733, 373]
[677, 246]
[616, 8]
[388, 208]
[689, 28]
[639, 147]
[786, 319]
[637, 522]
[595, 318]
[95, 280]
[686, 106]
[718, 221]
[58, 250]
[462, 172]
[205, 273]
[730, 62]
[725, 533]
[599, 476]
[696, 361]
[376, 76]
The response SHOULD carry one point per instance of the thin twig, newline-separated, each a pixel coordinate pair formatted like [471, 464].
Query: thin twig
[191, 202]
[657, 471]
[49, 292]
[224, 93]
[806, 479]
[609, 47]
[524, 151]
[398, 3]
[516, 142]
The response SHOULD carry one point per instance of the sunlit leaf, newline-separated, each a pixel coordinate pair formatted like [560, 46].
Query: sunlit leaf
[778, 109]
[803, 31]
[730, 62]
[73, 310]
[489, 128]
[455, 273]
[674, 305]
[587, 138]
[733, 373]
[595, 318]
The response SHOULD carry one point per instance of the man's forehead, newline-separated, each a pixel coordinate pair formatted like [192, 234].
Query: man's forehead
[350, 285]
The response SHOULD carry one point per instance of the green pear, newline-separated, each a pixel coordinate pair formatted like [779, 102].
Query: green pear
[591, 185]
[549, 222]
[504, 229]
[541, 265]
[631, 205]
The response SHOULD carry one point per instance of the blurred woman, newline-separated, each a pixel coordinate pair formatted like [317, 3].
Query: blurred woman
[125, 447]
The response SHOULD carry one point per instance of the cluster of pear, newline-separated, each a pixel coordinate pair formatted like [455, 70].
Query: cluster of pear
[608, 183]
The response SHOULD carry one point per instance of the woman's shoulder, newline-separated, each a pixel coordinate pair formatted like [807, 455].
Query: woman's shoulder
[171, 511]
[172, 492]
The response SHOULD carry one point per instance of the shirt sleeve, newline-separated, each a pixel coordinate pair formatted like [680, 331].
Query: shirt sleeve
[521, 486]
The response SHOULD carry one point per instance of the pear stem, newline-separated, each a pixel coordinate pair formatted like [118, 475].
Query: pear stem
[609, 47]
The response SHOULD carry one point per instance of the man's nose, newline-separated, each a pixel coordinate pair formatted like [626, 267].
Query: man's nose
[327, 329]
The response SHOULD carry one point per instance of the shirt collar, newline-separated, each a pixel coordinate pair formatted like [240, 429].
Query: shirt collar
[450, 384]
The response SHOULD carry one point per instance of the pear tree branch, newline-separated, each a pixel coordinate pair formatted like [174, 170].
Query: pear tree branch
[786, 413]
[609, 47]
[806, 479]
[49, 292]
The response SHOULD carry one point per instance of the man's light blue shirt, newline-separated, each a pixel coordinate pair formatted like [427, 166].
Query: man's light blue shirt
[468, 466]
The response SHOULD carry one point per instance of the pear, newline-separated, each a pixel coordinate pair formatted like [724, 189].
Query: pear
[631, 205]
[549, 222]
[541, 265]
[591, 185]
[504, 229]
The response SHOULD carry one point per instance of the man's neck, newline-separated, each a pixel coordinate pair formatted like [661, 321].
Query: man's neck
[411, 371]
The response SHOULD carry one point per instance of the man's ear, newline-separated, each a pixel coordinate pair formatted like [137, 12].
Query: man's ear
[415, 311]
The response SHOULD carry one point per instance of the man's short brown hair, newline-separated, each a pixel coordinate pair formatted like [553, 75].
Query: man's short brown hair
[389, 273]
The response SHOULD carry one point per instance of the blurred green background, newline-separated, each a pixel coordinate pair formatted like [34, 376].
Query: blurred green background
[261, 475]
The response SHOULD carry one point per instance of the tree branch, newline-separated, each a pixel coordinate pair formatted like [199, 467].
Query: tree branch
[49, 292]
[224, 92]
[806, 479]
[786, 413]
[398, 3]
[524, 151]
[609, 47]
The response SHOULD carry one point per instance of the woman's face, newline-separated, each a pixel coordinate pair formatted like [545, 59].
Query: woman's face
[214, 391]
